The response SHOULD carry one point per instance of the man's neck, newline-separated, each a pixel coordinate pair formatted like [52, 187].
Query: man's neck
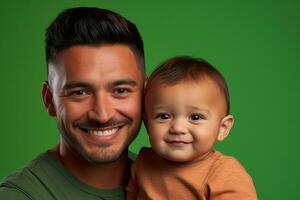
[103, 176]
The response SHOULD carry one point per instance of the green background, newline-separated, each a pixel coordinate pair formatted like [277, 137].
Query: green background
[255, 44]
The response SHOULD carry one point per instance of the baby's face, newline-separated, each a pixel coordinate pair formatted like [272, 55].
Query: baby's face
[184, 121]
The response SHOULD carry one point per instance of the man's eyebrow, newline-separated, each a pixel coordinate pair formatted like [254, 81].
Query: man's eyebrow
[124, 82]
[72, 85]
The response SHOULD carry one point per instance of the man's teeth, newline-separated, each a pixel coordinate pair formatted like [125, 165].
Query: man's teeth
[104, 133]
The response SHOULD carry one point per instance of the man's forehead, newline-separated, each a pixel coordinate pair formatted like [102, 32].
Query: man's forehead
[105, 57]
[112, 83]
[117, 61]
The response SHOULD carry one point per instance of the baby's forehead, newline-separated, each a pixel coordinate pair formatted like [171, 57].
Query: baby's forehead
[185, 89]
[203, 81]
[187, 95]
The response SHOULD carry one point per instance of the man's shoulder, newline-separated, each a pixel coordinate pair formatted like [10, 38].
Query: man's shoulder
[22, 181]
[46, 178]
[26, 173]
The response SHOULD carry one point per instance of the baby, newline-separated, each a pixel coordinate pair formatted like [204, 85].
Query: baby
[186, 113]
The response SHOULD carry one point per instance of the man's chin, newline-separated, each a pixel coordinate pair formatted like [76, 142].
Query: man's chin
[104, 156]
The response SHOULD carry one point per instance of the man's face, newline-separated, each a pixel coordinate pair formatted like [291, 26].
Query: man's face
[97, 94]
[186, 119]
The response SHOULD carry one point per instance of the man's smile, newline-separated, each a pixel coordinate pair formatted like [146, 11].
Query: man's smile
[107, 131]
[103, 133]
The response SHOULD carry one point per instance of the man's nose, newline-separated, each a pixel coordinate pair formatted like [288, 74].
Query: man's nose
[178, 126]
[102, 108]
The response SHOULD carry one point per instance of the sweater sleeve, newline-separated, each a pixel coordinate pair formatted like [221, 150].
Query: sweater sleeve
[229, 180]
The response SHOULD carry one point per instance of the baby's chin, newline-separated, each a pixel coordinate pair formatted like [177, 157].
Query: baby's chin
[176, 157]
[182, 156]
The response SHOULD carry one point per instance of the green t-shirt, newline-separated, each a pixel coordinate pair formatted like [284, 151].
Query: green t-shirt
[46, 178]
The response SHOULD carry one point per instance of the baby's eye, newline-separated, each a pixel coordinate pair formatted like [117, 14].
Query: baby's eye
[164, 116]
[196, 117]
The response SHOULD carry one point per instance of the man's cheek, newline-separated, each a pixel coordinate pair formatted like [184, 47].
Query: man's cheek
[134, 105]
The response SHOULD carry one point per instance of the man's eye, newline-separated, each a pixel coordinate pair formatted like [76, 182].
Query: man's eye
[121, 90]
[164, 116]
[196, 117]
[78, 93]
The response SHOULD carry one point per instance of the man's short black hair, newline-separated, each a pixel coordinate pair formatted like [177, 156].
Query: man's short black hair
[91, 26]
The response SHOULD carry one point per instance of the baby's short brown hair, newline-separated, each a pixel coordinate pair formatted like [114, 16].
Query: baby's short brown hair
[185, 68]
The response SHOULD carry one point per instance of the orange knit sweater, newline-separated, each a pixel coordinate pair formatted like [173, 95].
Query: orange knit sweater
[217, 177]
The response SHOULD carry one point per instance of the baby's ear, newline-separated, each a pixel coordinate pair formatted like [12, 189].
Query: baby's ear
[226, 124]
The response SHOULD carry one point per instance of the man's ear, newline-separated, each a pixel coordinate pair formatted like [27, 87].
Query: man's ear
[226, 124]
[48, 99]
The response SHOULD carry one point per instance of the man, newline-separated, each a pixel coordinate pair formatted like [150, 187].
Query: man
[95, 62]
